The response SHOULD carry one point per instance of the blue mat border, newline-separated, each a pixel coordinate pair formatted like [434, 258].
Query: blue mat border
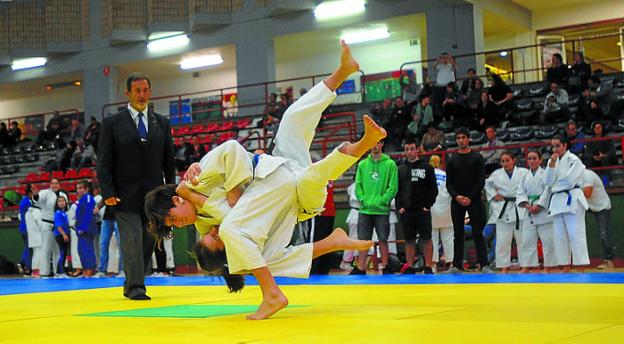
[13, 286]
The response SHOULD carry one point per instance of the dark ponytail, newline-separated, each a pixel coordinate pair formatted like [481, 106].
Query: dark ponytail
[214, 263]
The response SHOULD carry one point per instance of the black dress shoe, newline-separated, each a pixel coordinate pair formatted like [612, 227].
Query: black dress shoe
[140, 297]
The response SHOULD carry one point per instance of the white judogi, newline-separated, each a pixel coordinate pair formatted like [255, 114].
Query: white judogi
[49, 249]
[505, 213]
[567, 208]
[352, 221]
[533, 190]
[71, 217]
[442, 224]
[33, 228]
[284, 188]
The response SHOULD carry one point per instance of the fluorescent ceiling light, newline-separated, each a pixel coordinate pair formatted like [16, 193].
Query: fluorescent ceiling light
[351, 37]
[328, 10]
[503, 53]
[162, 34]
[168, 43]
[201, 61]
[29, 63]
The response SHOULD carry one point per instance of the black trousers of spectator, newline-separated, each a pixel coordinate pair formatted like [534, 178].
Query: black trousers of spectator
[323, 226]
[161, 258]
[476, 211]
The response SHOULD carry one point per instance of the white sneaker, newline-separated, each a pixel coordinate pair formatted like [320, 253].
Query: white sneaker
[345, 265]
[100, 274]
[121, 275]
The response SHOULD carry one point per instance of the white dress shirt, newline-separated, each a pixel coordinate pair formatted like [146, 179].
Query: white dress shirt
[135, 117]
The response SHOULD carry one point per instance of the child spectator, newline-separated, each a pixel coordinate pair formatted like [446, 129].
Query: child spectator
[61, 232]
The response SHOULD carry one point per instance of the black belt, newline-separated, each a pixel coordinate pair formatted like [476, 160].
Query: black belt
[507, 200]
[48, 221]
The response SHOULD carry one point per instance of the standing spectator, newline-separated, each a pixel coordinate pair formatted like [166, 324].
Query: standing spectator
[600, 206]
[107, 229]
[4, 134]
[600, 153]
[61, 232]
[564, 175]
[15, 134]
[468, 83]
[323, 226]
[492, 156]
[352, 222]
[573, 134]
[445, 73]
[441, 216]
[486, 113]
[135, 156]
[27, 254]
[558, 71]
[581, 72]
[533, 195]
[416, 195]
[501, 189]
[376, 185]
[465, 179]
[502, 96]
[46, 200]
[92, 135]
[422, 115]
[556, 104]
[86, 227]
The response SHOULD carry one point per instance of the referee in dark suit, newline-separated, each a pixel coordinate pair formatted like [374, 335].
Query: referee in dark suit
[135, 155]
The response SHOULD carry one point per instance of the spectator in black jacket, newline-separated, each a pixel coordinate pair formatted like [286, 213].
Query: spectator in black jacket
[600, 153]
[558, 71]
[417, 193]
[15, 134]
[580, 72]
[486, 112]
[501, 95]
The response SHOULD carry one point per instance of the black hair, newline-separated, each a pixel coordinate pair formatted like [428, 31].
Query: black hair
[28, 189]
[463, 131]
[86, 184]
[563, 139]
[536, 151]
[158, 202]
[214, 263]
[136, 76]
[56, 203]
[509, 154]
[497, 80]
[493, 127]
[15, 123]
[471, 70]
[2, 124]
[410, 140]
[559, 57]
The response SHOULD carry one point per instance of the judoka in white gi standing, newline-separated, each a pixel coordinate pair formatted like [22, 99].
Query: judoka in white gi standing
[441, 222]
[46, 200]
[278, 190]
[501, 188]
[564, 175]
[534, 196]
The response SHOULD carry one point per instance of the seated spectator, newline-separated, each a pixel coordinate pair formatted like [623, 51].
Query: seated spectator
[271, 107]
[453, 106]
[433, 140]
[468, 83]
[600, 153]
[381, 112]
[52, 130]
[576, 136]
[302, 91]
[474, 95]
[491, 156]
[93, 133]
[556, 104]
[502, 96]
[444, 67]
[398, 121]
[63, 158]
[486, 112]
[283, 104]
[580, 72]
[4, 134]
[196, 151]
[15, 134]
[558, 71]
[422, 115]
[595, 112]
[77, 130]
[584, 105]
[84, 155]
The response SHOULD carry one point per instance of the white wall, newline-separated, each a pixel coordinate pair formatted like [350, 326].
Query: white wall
[61, 100]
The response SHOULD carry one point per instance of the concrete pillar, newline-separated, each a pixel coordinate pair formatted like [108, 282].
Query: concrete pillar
[99, 89]
[255, 63]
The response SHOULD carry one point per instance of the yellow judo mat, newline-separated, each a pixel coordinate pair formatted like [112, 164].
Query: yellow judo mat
[346, 313]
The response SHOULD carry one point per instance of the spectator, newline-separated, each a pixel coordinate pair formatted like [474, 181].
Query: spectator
[600, 206]
[501, 189]
[416, 195]
[600, 153]
[93, 133]
[86, 228]
[581, 72]
[502, 96]
[433, 140]
[52, 130]
[453, 103]
[577, 136]
[271, 107]
[409, 87]
[441, 216]
[283, 104]
[15, 134]
[445, 73]
[61, 232]
[533, 195]
[77, 130]
[381, 112]
[558, 71]
[4, 134]
[84, 155]
[107, 229]
[133, 158]
[66, 155]
[465, 181]
[376, 186]
[556, 104]
[422, 115]
[595, 112]
[486, 113]
[584, 109]
[492, 156]
[399, 120]
[196, 151]
[302, 91]
[473, 96]
[564, 175]
[468, 83]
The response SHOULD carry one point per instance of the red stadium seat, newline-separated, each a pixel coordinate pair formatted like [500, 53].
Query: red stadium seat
[85, 173]
[243, 123]
[57, 174]
[71, 174]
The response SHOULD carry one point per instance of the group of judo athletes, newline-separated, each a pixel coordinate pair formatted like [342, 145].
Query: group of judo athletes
[546, 203]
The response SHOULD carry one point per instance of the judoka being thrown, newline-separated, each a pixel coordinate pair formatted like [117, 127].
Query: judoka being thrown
[245, 206]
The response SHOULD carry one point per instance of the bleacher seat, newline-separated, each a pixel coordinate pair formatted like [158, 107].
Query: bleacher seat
[546, 132]
[71, 174]
[227, 125]
[502, 134]
[477, 137]
[58, 175]
[85, 172]
[43, 177]
[450, 141]
[520, 134]
[539, 90]
[524, 104]
[243, 123]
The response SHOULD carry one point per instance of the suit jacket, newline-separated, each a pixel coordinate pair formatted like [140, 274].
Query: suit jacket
[129, 168]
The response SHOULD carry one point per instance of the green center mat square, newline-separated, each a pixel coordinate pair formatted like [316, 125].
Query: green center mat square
[184, 311]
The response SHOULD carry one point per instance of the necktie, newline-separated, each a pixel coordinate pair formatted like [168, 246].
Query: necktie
[142, 128]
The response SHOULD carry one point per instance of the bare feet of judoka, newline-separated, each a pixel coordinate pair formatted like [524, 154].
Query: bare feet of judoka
[347, 63]
[373, 133]
[341, 241]
[271, 304]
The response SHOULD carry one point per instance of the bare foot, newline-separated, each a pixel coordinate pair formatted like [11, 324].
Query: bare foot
[348, 64]
[372, 130]
[269, 306]
[524, 271]
[342, 241]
